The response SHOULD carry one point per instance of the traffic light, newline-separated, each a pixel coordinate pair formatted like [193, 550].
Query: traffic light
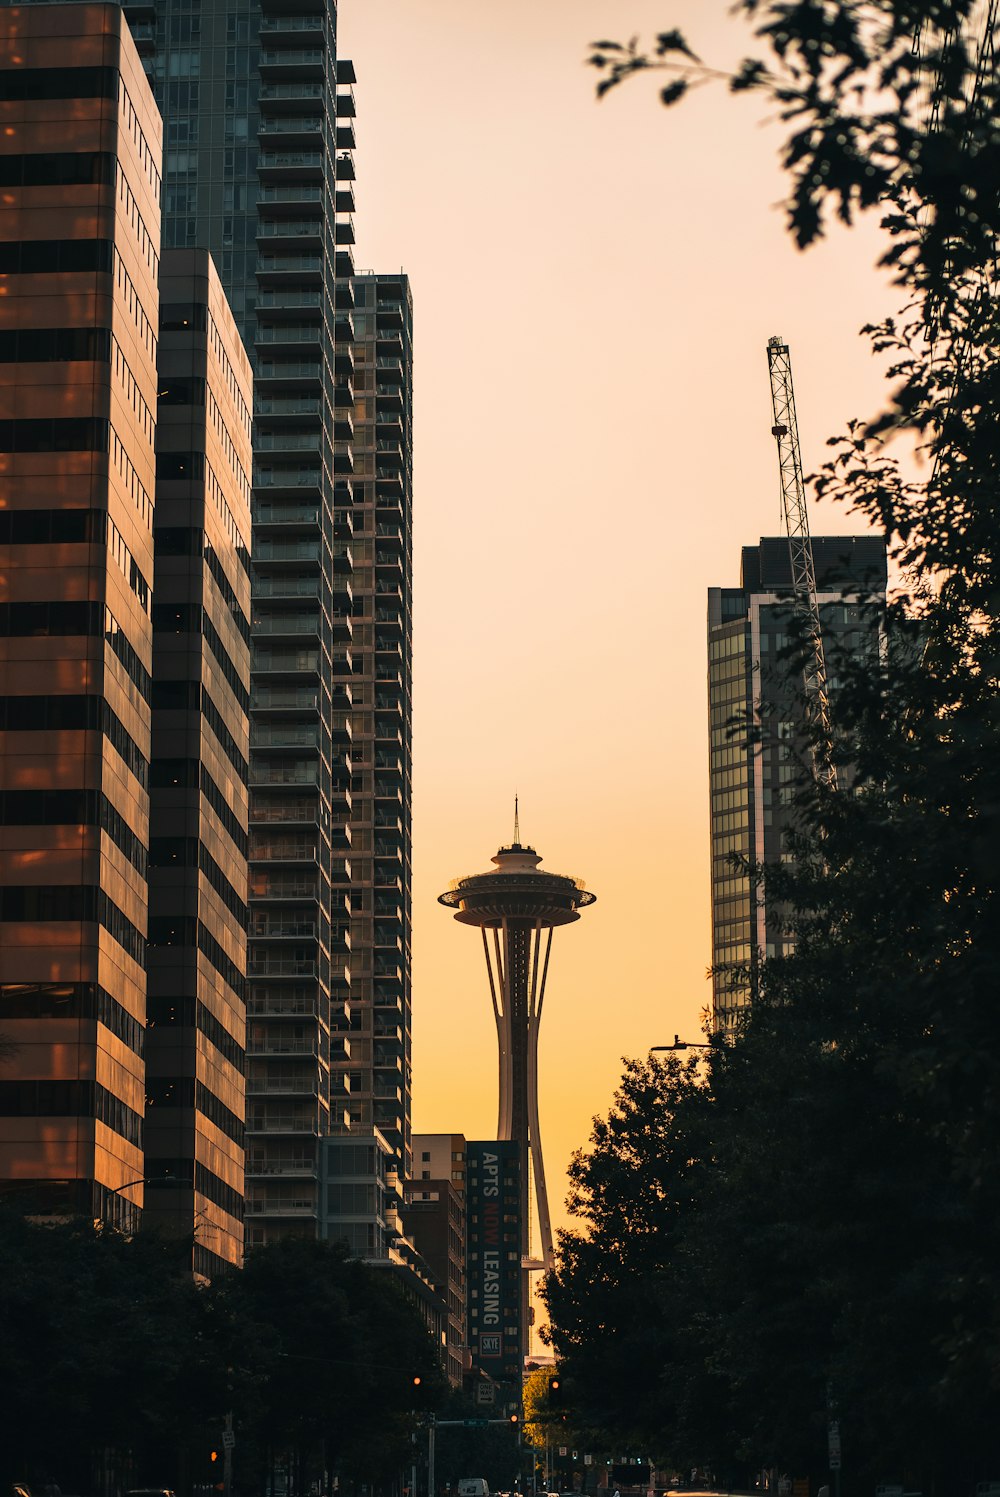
[515, 1418]
[417, 1382]
[214, 1455]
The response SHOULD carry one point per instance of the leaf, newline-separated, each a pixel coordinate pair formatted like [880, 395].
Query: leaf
[673, 91]
[752, 73]
[673, 41]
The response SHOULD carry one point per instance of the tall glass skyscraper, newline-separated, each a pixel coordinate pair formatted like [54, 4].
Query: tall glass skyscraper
[258, 115]
[753, 786]
[258, 135]
[79, 263]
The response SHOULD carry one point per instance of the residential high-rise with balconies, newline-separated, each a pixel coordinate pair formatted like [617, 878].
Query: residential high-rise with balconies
[753, 680]
[79, 260]
[258, 122]
[258, 133]
[372, 1082]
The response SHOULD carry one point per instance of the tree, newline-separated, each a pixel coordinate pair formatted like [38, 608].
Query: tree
[97, 1350]
[115, 1364]
[835, 1253]
[331, 1363]
[617, 1324]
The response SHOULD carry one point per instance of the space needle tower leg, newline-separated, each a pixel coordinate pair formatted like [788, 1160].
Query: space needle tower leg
[534, 1128]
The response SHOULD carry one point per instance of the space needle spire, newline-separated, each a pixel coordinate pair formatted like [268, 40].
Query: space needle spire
[517, 907]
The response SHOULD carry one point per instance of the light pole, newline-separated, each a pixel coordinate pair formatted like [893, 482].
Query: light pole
[679, 1044]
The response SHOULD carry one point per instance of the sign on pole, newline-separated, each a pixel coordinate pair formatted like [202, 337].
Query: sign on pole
[833, 1444]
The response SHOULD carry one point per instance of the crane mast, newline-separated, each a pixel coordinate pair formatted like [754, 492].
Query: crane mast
[793, 499]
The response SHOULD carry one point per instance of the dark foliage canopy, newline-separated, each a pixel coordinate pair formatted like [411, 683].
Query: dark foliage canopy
[818, 1212]
[108, 1345]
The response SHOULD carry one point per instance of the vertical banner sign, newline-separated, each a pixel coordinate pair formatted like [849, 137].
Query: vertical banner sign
[490, 1257]
[494, 1244]
[833, 1444]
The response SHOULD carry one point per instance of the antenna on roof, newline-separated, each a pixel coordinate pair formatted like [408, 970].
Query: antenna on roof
[517, 831]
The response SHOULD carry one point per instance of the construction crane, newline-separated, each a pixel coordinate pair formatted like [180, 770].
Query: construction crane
[793, 499]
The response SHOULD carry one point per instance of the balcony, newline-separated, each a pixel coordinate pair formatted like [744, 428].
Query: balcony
[273, 269]
[259, 1168]
[277, 772]
[282, 1123]
[290, 373]
[293, 62]
[307, 25]
[282, 966]
[267, 926]
[291, 130]
[290, 441]
[303, 516]
[296, 99]
[284, 1083]
[292, 480]
[286, 850]
[290, 299]
[283, 1045]
[274, 198]
[285, 586]
[388, 483]
[279, 889]
[278, 661]
[279, 1208]
[287, 624]
[389, 354]
[278, 165]
[390, 396]
[300, 810]
[283, 735]
[290, 339]
[290, 233]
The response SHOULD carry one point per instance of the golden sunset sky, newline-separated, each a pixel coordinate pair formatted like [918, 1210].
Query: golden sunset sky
[594, 286]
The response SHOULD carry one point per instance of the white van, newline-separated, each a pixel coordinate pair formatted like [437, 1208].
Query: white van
[473, 1486]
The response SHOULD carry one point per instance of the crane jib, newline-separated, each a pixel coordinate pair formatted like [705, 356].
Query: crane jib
[785, 430]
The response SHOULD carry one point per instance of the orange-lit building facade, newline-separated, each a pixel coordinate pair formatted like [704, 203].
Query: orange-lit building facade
[80, 150]
[196, 1039]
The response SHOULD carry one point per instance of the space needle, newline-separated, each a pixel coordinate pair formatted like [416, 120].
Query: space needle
[517, 907]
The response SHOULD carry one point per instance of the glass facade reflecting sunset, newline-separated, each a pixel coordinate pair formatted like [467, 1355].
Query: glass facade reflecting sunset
[752, 681]
[196, 1041]
[79, 258]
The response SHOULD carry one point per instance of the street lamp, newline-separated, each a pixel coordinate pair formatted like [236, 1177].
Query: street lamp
[680, 1044]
